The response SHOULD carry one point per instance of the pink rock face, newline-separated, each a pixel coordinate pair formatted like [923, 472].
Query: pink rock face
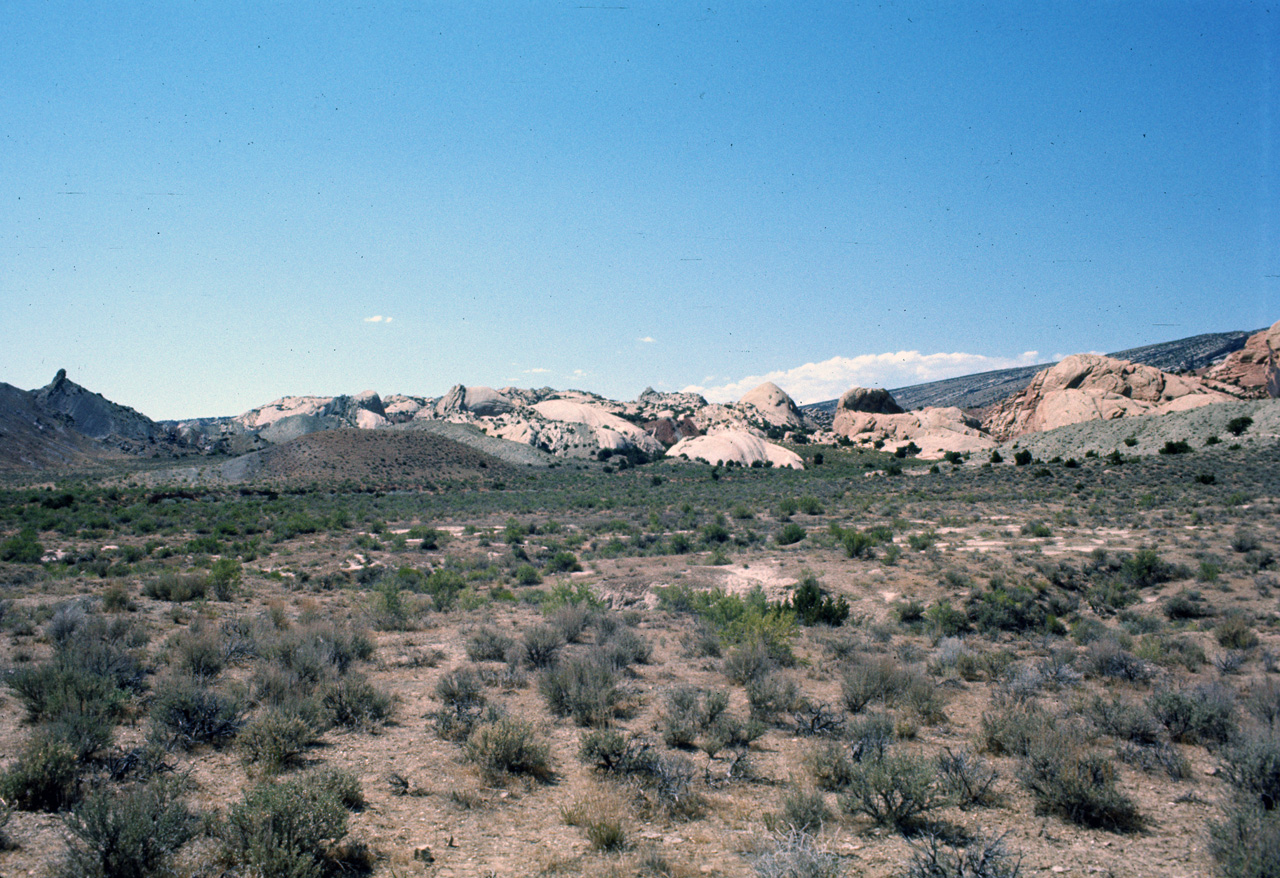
[1254, 370]
[935, 431]
[1086, 387]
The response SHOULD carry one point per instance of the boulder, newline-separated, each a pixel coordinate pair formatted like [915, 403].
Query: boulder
[480, 401]
[735, 446]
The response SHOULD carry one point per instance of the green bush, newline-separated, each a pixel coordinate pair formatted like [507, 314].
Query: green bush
[274, 741]
[1246, 844]
[1079, 787]
[791, 533]
[813, 606]
[771, 695]
[286, 828]
[509, 747]
[1180, 446]
[803, 810]
[1202, 715]
[870, 680]
[1235, 632]
[177, 587]
[187, 713]
[541, 645]
[44, 777]
[488, 645]
[352, 702]
[582, 687]
[24, 548]
[128, 834]
[893, 789]
[1237, 426]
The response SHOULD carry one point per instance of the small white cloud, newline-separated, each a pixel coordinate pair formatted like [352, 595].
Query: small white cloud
[377, 318]
[578, 373]
[814, 382]
[647, 339]
[536, 371]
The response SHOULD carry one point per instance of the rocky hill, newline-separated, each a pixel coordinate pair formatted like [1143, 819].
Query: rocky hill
[985, 388]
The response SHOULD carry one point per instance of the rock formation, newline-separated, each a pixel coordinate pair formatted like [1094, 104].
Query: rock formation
[1252, 372]
[874, 400]
[774, 406]
[735, 446]
[1087, 387]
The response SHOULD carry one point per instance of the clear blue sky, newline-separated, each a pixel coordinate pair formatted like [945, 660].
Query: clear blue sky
[202, 205]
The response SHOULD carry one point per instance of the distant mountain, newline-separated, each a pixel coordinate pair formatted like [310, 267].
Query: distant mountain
[32, 439]
[985, 388]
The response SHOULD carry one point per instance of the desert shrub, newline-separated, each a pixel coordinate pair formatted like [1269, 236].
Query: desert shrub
[968, 779]
[689, 712]
[1235, 632]
[582, 687]
[177, 587]
[352, 702]
[626, 647]
[1078, 786]
[747, 661]
[1252, 767]
[527, 574]
[128, 834]
[198, 652]
[1169, 650]
[1022, 458]
[813, 606]
[44, 777]
[612, 752]
[870, 680]
[1007, 608]
[1124, 721]
[790, 533]
[977, 858]
[802, 809]
[188, 712]
[1146, 568]
[274, 740]
[286, 828]
[488, 645]
[1187, 605]
[540, 645]
[893, 789]
[1237, 426]
[509, 747]
[797, 854]
[225, 577]
[1263, 702]
[1179, 446]
[1015, 729]
[571, 621]
[1202, 715]
[924, 699]
[770, 695]
[944, 620]
[1246, 844]
[22, 548]
[563, 562]
[1107, 659]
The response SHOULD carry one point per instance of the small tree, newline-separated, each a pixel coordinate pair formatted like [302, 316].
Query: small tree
[1237, 426]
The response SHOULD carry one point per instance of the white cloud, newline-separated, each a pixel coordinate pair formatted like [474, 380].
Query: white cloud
[536, 371]
[814, 382]
[647, 339]
[377, 318]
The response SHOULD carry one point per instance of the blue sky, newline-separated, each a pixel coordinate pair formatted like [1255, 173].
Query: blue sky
[203, 206]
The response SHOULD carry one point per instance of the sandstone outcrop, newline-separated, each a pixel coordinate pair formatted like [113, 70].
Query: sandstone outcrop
[774, 406]
[735, 446]
[935, 431]
[1086, 387]
[1252, 372]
